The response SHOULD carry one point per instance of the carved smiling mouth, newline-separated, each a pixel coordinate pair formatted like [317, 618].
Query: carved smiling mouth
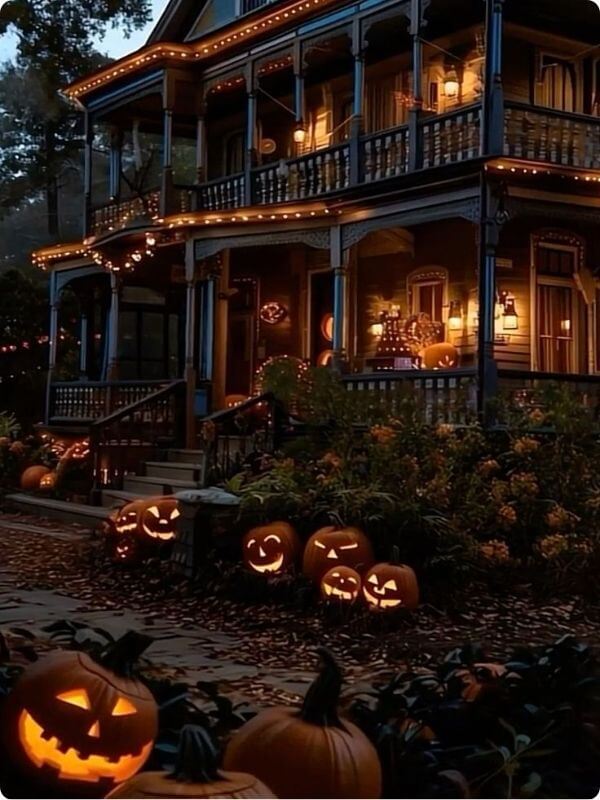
[333, 591]
[69, 763]
[127, 528]
[381, 602]
[272, 566]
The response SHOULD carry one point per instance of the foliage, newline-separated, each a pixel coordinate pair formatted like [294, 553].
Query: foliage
[459, 502]
[533, 729]
[8, 424]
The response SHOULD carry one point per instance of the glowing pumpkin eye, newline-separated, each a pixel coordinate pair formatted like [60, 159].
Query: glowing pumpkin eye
[321, 545]
[391, 585]
[175, 513]
[154, 511]
[273, 538]
[374, 580]
[123, 708]
[349, 546]
[250, 543]
[75, 697]
[335, 575]
[352, 580]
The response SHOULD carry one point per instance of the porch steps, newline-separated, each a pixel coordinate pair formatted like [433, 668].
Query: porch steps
[185, 456]
[177, 470]
[145, 485]
[90, 516]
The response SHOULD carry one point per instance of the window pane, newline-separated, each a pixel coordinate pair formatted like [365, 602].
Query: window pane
[153, 336]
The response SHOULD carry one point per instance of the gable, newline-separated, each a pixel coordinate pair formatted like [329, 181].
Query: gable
[184, 20]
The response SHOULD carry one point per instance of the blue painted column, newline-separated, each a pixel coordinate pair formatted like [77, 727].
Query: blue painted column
[113, 329]
[339, 266]
[207, 328]
[493, 101]
[357, 124]
[415, 148]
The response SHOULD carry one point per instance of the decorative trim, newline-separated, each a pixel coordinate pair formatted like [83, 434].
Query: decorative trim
[319, 239]
[554, 211]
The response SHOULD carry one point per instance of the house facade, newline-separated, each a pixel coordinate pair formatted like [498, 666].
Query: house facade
[407, 190]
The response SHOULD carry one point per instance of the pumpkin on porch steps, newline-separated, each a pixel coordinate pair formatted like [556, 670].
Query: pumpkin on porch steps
[311, 751]
[195, 775]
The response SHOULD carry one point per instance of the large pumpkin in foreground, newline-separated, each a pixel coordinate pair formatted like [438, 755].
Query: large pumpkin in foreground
[331, 547]
[196, 775]
[79, 727]
[31, 477]
[270, 548]
[311, 751]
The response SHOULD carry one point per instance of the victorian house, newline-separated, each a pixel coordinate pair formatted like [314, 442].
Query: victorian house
[406, 190]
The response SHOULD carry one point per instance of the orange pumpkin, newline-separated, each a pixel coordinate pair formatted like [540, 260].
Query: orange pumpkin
[440, 356]
[80, 727]
[195, 775]
[31, 477]
[331, 546]
[391, 586]
[270, 548]
[341, 584]
[48, 481]
[311, 751]
[153, 519]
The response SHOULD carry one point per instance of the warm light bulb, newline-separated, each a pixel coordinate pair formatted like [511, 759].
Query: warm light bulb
[300, 134]
[451, 83]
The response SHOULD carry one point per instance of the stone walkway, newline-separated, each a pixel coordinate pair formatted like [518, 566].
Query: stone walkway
[192, 652]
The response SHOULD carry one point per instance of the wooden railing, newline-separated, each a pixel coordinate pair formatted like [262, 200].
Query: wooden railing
[223, 193]
[385, 155]
[230, 435]
[526, 388]
[554, 137]
[443, 397]
[312, 175]
[448, 138]
[87, 401]
[122, 214]
[140, 431]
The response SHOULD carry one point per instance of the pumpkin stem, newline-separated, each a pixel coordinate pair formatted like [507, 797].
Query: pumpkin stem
[121, 656]
[321, 701]
[197, 757]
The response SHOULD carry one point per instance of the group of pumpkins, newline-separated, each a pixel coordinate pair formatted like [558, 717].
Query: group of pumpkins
[41, 478]
[78, 728]
[143, 527]
[338, 560]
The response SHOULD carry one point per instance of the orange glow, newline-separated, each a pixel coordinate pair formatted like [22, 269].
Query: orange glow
[76, 697]
[70, 765]
[123, 708]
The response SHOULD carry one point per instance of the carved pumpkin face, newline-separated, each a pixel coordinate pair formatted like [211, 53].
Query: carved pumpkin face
[48, 482]
[77, 726]
[126, 521]
[330, 547]
[341, 584]
[158, 519]
[440, 356]
[270, 548]
[389, 587]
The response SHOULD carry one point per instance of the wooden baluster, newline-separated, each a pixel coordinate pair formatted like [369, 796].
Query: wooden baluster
[346, 165]
[337, 169]
[327, 171]
[368, 160]
[566, 137]
[319, 172]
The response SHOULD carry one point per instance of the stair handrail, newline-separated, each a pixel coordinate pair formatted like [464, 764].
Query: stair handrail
[115, 416]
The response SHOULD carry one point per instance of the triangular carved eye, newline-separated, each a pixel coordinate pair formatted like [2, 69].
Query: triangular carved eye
[123, 708]
[75, 697]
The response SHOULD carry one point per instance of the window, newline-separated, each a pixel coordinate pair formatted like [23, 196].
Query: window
[234, 153]
[386, 102]
[428, 297]
[560, 330]
[558, 81]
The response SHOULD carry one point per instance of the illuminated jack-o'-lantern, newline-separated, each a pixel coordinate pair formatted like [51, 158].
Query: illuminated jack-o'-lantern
[48, 482]
[32, 476]
[309, 751]
[196, 775]
[270, 548]
[341, 584]
[390, 587]
[78, 726]
[330, 547]
[154, 519]
[440, 356]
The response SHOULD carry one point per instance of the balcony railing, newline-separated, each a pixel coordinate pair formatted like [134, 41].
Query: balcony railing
[118, 215]
[451, 137]
[552, 137]
[246, 6]
[91, 400]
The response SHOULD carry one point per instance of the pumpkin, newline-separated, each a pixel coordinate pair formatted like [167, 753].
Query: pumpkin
[80, 727]
[32, 476]
[341, 584]
[196, 774]
[440, 356]
[48, 481]
[331, 546]
[391, 586]
[311, 751]
[270, 548]
[154, 519]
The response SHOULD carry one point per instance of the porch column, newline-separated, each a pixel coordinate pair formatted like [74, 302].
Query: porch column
[207, 327]
[52, 339]
[83, 344]
[488, 235]
[299, 87]
[339, 265]
[190, 331]
[114, 182]
[415, 148]
[87, 173]
[357, 124]
[168, 102]
[220, 268]
[201, 144]
[250, 133]
[492, 140]
[113, 328]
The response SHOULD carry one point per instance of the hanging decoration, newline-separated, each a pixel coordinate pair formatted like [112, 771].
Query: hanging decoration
[273, 312]
[131, 259]
[327, 327]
